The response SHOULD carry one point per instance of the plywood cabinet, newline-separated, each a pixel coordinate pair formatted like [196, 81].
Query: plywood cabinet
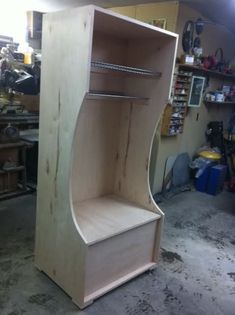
[105, 80]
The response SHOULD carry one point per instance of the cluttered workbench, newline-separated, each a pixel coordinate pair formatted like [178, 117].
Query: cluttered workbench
[19, 114]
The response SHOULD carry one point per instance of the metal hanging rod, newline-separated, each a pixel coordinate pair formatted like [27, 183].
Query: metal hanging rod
[114, 67]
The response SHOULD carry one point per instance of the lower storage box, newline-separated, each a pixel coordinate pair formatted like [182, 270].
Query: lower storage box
[118, 259]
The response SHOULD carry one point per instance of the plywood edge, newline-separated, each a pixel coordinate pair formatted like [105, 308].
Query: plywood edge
[37, 265]
[73, 214]
[76, 290]
[70, 11]
[157, 209]
[90, 243]
[83, 304]
[90, 298]
[156, 253]
[150, 216]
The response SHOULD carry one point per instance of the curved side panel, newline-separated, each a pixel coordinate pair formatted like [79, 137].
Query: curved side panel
[138, 123]
[60, 251]
[79, 144]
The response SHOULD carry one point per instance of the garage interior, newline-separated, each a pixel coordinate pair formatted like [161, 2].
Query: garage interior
[117, 164]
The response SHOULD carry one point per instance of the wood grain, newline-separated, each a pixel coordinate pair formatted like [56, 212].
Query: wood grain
[104, 217]
[97, 224]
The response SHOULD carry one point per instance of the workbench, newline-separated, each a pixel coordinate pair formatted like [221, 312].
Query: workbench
[10, 176]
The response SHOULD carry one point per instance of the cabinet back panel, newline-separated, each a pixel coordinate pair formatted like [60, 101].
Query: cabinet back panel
[132, 176]
[95, 150]
[108, 49]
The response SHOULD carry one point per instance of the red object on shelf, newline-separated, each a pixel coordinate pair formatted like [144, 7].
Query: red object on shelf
[210, 62]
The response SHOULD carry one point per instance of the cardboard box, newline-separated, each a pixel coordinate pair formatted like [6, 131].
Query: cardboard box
[187, 59]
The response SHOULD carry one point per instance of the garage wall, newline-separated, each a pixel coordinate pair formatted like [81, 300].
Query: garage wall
[213, 36]
[151, 11]
[194, 130]
[193, 137]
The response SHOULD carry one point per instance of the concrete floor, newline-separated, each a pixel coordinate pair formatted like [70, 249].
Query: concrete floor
[196, 272]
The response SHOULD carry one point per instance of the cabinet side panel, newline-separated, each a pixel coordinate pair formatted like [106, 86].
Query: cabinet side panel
[66, 49]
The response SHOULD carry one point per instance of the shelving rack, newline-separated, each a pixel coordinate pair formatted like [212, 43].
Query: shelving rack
[97, 223]
[219, 103]
[219, 76]
[175, 113]
[207, 72]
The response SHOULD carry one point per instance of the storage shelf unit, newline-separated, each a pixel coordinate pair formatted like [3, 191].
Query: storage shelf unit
[172, 125]
[219, 103]
[182, 81]
[208, 72]
[10, 185]
[97, 223]
[12, 169]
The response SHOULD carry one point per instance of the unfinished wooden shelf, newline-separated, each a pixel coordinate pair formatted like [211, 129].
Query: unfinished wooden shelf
[104, 217]
[97, 223]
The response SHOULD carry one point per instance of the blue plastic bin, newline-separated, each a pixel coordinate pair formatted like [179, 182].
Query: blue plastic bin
[216, 179]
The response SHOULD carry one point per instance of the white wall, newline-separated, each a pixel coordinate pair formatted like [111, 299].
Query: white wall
[12, 20]
[13, 14]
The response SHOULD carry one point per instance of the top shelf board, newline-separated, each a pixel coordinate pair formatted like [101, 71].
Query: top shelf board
[124, 27]
[103, 67]
[183, 81]
[183, 75]
[217, 74]
[12, 145]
